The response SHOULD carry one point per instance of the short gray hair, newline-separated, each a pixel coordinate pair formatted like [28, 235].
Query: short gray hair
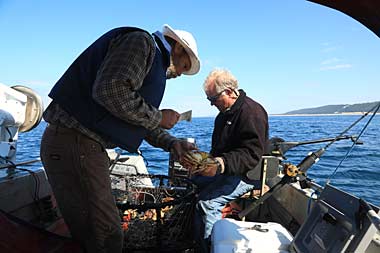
[222, 79]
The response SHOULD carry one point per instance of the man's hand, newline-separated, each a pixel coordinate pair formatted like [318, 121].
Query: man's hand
[208, 167]
[209, 170]
[180, 147]
[169, 118]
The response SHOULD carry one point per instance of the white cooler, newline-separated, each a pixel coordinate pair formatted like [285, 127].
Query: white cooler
[229, 235]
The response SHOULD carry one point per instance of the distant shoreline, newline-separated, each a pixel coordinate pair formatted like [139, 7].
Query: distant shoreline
[320, 114]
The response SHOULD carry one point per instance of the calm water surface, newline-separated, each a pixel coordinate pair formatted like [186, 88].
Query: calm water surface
[359, 174]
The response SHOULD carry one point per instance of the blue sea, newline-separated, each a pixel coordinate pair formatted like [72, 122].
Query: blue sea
[359, 174]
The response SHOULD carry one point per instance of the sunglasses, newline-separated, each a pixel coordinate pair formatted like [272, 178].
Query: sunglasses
[213, 99]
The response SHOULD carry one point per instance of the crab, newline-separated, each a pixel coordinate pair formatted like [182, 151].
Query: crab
[197, 161]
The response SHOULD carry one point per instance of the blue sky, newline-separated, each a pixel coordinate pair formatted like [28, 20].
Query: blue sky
[287, 55]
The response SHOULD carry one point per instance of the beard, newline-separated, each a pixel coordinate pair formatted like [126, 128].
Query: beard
[171, 72]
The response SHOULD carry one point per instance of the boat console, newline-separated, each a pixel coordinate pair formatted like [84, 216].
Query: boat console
[336, 223]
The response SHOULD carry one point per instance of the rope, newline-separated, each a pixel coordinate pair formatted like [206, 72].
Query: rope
[37, 183]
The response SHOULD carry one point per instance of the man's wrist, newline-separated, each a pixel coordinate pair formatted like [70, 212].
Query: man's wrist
[171, 144]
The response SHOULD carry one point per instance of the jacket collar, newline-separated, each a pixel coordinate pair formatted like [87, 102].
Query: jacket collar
[238, 103]
[163, 46]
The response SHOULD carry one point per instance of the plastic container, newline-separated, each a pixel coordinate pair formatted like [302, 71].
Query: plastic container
[230, 235]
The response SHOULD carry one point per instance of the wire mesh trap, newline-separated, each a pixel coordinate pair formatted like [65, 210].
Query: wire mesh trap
[157, 212]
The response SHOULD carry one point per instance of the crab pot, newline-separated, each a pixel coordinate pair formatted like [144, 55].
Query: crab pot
[157, 213]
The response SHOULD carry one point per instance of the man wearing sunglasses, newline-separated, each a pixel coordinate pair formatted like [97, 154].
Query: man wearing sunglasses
[238, 141]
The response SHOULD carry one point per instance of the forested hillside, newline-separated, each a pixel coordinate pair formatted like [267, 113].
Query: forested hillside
[336, 109]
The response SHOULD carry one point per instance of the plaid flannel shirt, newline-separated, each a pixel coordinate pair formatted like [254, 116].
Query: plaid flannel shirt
[116, 87]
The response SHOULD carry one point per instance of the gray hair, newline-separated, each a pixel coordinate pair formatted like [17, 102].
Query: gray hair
[222, 79]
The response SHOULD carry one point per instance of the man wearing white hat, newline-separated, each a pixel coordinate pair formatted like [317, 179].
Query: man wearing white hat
[110, 97]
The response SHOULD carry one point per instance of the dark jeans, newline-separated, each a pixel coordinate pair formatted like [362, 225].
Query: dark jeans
[77, 169]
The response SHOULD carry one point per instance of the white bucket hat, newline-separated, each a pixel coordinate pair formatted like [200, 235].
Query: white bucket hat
[188, 42]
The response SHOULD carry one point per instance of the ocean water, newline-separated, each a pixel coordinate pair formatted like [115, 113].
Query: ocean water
[359, 174]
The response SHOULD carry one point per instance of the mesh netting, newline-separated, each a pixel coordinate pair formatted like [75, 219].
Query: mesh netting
[157, 212]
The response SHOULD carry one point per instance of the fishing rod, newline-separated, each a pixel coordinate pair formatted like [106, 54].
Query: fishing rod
[349, 151]
[281, 147]
[298, 173]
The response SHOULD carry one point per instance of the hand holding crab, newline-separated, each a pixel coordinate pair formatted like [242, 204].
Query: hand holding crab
[181, 147]
[201, 163]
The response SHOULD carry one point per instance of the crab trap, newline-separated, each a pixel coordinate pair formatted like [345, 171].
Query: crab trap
[157, 211]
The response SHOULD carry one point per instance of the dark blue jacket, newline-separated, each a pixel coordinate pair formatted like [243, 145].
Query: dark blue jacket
[73, 91]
